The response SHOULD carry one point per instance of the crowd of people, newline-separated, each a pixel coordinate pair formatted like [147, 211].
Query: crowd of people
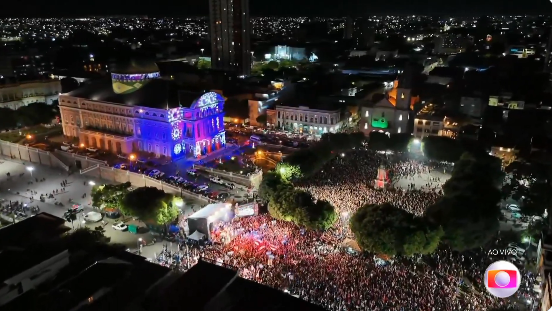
[347, 182]
[315, 267]
[319, 267]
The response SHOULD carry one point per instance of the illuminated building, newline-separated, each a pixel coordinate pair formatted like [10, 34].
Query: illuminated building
[230, 31]
[137, 111]
[21, 94]
[391, 114]
[302, 119]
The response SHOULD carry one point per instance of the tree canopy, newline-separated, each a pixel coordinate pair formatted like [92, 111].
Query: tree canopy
[469, 210]
[289, 204]
[150, 204]
[386, 229]
[529, 183]
[440, 148]
[32, 114]
[311, 160]
[109, 196]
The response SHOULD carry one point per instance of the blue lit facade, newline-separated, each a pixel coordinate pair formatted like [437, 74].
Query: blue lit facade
[198, 130]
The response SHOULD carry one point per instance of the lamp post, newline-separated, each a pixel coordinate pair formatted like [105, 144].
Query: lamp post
[131, 158]
[139, 243]
[30, 169]
[202, 51]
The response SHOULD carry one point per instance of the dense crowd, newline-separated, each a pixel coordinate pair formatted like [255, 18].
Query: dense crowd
[321, 268]
[315, 267]
[347, 182]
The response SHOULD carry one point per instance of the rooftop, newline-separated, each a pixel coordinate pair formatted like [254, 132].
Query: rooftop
[207, 286]
[208, 210]
[135, 66]
[157, 93]
[32, 230]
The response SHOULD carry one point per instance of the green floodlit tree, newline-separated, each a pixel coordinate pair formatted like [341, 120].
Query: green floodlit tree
[151, 204]
[386, 229]
[288, 172]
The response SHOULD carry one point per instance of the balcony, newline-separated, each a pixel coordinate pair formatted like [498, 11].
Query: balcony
[92, 130]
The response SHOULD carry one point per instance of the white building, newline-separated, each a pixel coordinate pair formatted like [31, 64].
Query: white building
[138, 111]
[427, 124]
[302, 119]
[21, 94]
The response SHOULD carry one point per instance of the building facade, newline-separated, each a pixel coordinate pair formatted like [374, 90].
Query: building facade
[433, 125]
[141, 112]
[472, 106]
[302, 119]
[230, 33]
[21, 94]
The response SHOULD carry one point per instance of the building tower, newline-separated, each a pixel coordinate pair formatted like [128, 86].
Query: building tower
[382, 181]
[230, 32]
[348, 29]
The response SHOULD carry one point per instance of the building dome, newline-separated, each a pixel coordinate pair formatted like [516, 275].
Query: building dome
[130, 77]
[135, 66]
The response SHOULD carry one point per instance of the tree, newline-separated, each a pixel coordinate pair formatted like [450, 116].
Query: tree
[386, 229]
[469, 211]
[273, 65]
[150, 203]
[203, 64]
[261, 119]
[298, 206]
[285, 63]
[288, 172]
[269, 186]
[529, 183]
[110, 196]
[439, 148]
[379, 141]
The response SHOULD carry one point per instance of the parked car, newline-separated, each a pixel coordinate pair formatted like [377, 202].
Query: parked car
[119, 226]
[513, 207]
[121, 166]
[216, 180]
[229, 185]
[192, 172]
[517, 248]
[203, 187]
[77, 208]
[223, 196]
[93, 217]
[154, 173]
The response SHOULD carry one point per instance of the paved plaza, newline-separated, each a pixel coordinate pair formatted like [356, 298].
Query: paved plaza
[20, 183]
[433, 179]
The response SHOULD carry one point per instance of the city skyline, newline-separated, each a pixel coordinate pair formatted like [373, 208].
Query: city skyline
[282, 8]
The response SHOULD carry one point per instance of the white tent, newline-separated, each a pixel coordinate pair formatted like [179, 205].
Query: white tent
[196, 236]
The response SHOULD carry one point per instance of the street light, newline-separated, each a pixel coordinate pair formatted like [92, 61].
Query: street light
[30, 169]
[91, 183]
[416, 141]
[139, 244]
[29, 137]
[202, 51]
[82, 145]
[131, 158]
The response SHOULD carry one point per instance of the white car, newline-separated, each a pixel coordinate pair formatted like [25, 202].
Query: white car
[513, 207]
[216, 180]
[192, 172]
[93, 217]
[202, 187]
[119, 226]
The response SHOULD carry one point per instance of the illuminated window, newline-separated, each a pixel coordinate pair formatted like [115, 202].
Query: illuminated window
[365, 126]
[400, 118]
[402, 95]
[399, 130]
[367, 113]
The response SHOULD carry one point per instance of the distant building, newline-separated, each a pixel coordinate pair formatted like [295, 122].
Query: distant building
[348, 29]
[138, 111]
[392, 113]
[363, 33]
[19, 62]
[302, 119]
[230, 35]
[284, 52]
[14, 95]
[472, 106]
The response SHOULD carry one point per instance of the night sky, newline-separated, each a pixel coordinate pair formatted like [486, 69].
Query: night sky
[62, 8]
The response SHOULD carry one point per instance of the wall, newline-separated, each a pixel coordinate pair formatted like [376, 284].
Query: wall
[77, 161]
[251, 181]
[31, 155]
[113, 175]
